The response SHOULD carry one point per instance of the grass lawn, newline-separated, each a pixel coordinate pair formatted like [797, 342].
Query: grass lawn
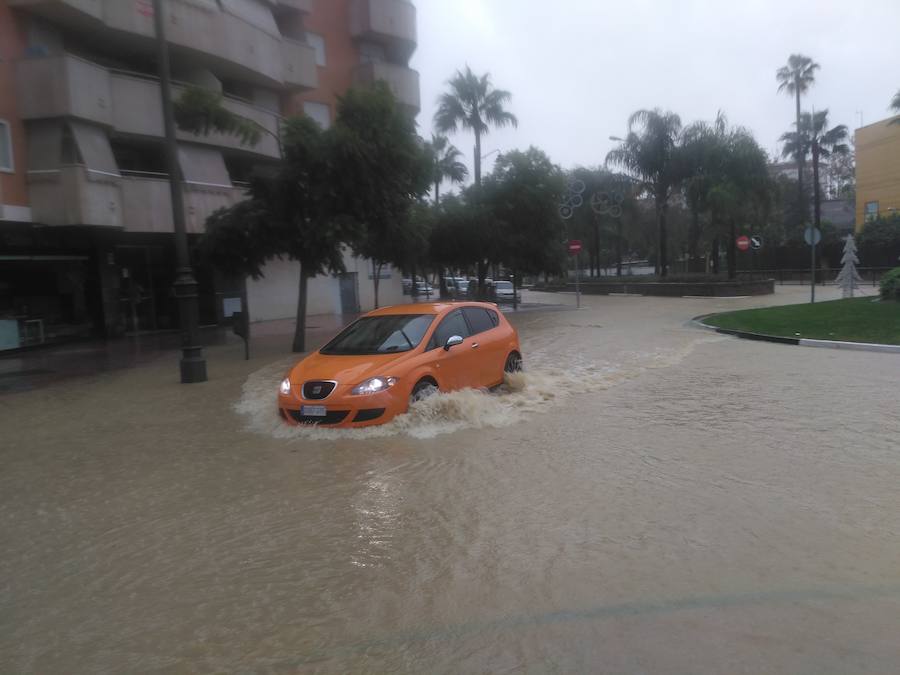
[852, 320]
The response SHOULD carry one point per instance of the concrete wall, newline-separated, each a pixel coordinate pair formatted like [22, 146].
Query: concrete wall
[13, 188]
[275, 295]
[877, 169]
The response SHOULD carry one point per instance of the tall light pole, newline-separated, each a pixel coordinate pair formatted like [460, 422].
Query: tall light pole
[193, 363]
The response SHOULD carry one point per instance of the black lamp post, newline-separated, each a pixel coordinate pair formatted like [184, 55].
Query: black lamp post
[193, 363]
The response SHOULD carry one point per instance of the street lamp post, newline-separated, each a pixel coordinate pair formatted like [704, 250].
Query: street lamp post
[193, 363]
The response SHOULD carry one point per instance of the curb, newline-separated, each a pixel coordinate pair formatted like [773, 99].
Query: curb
[697, 322]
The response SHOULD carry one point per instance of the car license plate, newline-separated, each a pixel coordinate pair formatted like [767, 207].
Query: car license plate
[313, 410]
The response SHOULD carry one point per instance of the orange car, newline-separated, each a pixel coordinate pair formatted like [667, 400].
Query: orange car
[379, 364]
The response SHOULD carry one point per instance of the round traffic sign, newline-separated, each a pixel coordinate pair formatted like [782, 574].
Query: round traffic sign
[743, 242]
[574, 245]
[756, 242]
[812, 235]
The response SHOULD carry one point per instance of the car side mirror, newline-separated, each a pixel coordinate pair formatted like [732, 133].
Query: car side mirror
[452, 341]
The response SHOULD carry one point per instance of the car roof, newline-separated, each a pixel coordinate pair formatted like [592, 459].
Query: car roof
[427, 308]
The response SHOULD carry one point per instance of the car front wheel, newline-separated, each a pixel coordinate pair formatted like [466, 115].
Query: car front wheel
[422, 390]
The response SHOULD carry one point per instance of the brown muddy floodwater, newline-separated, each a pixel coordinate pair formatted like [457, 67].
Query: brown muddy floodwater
[647, 498]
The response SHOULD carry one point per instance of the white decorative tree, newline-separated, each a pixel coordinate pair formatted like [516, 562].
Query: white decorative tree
[848, 278]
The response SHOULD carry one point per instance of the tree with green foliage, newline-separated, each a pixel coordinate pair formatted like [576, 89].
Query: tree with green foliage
[816, 138]
[379, 169]
[879, 241]
[740, 185]
[895, 106]
[290, 212]
[466, 235]
[474, 104]
[795, 79]
[523, 194]
[648, 154]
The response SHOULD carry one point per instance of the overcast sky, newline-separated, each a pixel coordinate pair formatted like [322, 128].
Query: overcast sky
[578, 68]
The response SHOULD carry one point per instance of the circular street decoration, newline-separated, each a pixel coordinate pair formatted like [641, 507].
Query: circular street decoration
[607, 203]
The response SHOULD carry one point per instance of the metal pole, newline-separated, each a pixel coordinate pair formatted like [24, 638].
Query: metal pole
[577, 281]
[812, 278]
[193, 363]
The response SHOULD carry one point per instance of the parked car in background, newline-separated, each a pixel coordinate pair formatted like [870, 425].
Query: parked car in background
[504, 291]
[458, 286]
[424, 289]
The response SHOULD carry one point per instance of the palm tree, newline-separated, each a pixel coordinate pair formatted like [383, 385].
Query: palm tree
[822, 142]
[698, 151]
[473, 103]
[648, 154]
[795, 79]
[445, 164]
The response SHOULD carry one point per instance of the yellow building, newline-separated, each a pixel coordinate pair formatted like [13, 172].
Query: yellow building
[877, 171]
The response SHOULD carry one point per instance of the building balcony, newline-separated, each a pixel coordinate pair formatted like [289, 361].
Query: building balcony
[133, 201]
[75, 195]
[137, 110]
[245, 46]
[147, 203]
[403, 82]
[64, 86]
[129, 103]
[300, 69]
[391, 23]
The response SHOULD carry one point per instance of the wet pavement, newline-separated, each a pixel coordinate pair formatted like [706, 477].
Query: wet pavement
[648, 498]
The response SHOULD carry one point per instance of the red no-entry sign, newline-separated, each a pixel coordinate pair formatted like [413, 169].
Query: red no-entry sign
[574, 246]
[743, 242]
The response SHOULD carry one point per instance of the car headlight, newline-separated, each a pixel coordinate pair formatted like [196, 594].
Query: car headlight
[374, 384]
[285, 387]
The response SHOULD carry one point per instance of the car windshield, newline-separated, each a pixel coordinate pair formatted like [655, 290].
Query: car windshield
[380, 335]
[504, 285]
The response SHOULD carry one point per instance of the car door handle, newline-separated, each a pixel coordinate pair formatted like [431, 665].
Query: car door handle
[474, 345]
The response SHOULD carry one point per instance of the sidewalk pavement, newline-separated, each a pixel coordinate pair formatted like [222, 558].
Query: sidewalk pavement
[36, 368]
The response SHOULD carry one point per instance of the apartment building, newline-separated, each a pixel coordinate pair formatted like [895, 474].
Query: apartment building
[877, 170]
[86, 234]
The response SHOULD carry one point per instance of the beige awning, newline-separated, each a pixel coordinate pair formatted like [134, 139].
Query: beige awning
[203, 166]
[93, 145]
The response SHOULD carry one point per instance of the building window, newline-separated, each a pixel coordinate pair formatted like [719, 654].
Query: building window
[317, 42]
[6, 151]
[319, 112]
[871, 211]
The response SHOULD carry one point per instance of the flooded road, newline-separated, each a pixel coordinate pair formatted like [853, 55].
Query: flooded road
[648, 498]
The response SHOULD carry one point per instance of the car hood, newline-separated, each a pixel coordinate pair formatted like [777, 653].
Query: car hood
[345, 369]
